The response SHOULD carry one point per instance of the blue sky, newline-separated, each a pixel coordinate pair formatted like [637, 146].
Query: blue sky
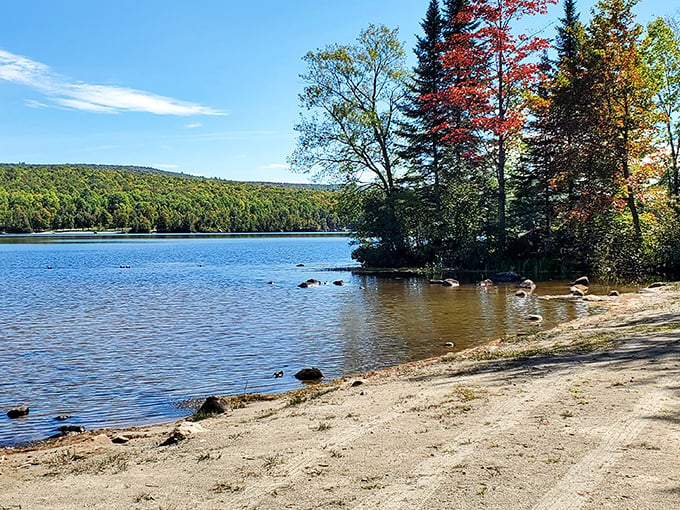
[204, 87]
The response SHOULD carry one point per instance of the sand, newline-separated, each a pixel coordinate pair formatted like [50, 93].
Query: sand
[583, 416]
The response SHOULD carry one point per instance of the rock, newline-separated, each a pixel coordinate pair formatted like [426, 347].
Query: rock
[270, 282]
[310, 283]
[213, 405]
[521, 293]
[656, 285]
[450, 282]
[485, 283]
[299, 265]
[18, 412]
[436, 282]
[339, 283]
[534, 318]
[100, 440]
[507, 277]
[357, 383]
[182, 432]
[309, 374]
[278, 374]
[71, 429]
[527, 284]
[613, 293]
[62, 417]
[583, 280]
[120, 439]
[449, 344]
[578, 290]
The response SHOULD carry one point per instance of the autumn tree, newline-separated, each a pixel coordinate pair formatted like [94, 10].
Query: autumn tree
[500, 71]
[621, 106]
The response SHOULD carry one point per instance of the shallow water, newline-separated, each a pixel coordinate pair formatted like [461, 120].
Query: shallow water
[114, 346]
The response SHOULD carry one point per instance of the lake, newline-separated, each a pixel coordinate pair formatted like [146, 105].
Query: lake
[116, 331]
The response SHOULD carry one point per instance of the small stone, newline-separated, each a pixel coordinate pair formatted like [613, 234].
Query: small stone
[62, 417]
[120, 439]
[357, 383]
[449, 344]
[309, 374]
[339, 283]
[278, 374]
[18, 412]
[300, 265]
[613, 293]
[71, 429]
[534, 318]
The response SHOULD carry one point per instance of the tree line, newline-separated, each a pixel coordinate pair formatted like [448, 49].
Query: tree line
[502, 148]
[36, 198]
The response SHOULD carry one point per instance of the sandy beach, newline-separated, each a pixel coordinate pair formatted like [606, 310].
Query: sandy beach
[583, 416]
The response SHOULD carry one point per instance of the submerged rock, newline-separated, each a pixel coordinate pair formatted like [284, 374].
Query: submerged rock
[18, 412]
[507, 277]
[312, 282]
[309, 374]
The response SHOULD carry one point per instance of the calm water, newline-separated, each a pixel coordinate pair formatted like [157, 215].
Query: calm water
[192, 316]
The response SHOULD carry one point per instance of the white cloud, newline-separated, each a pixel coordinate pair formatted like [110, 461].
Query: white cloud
[94, 98]
[193, 125]
[275, 166]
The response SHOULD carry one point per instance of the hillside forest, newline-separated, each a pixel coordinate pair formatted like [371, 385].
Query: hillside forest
[61, 197]
[502, 148]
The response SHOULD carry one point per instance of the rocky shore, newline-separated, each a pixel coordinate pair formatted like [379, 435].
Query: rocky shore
[583, 416]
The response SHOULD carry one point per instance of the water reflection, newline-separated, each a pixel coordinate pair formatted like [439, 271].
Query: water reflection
[114, 346]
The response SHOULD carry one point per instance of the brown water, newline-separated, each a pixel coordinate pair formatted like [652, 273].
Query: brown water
[114, 346]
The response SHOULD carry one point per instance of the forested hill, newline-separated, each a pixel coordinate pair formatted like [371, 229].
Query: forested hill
[35, 198]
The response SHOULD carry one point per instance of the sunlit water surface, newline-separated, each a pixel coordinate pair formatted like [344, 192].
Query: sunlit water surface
[113, 346]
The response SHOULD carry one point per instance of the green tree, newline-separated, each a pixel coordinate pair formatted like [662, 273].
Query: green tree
[661, 52]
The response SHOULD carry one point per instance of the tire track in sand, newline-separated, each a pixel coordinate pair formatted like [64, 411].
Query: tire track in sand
[572, 491]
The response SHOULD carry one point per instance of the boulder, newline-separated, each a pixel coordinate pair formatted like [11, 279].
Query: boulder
[18, 412]
[436, 282]
[527, 284]
[339, 283]
[485, 283]
[213, 405]
[613, 293]
[506, 277]
[309, 374]
[583, 280]
[656, 285]
[450, 282]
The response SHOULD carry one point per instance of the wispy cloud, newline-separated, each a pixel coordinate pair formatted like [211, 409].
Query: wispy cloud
[193, 125]
[70, 94]
[275, 166]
